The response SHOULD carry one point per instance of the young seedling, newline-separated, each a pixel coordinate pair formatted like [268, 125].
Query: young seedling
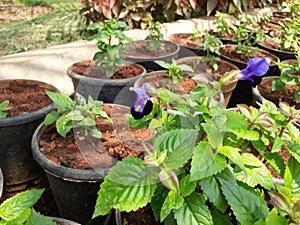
[155, 36]
[3, 108]
[75, 113]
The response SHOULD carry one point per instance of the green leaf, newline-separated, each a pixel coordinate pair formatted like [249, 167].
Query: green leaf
[187, 186]
[180, 145]
[87, 122]
[21, 219]
[294, 149]
[158, 200]
[172, 201]
[37, 219]
[206, 162]
[64, 124]
[51, 117]
[250, 135]
[234, 155]
[193, 211]
[256, 172]
[212, 189]
[61, 101]
[128, 186]
[276, 162]
[214, 136]
[16, 205]
[247, 207]
[219, 219]
[294, 168]
[274, 219]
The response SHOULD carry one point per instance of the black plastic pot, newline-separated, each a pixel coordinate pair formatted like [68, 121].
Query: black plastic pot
[282, 55]
[16, 161]
[147, 61]
[107, 90]
[74, 190]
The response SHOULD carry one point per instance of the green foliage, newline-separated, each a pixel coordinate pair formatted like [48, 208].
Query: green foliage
[75, 113]
[110, 40]
[3, 108]
[175, 71]
[19, 209]
[288, 76]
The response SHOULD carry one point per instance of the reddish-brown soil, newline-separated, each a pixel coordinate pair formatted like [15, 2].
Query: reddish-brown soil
[273, 45]
[265, 89]
[230, 52]
[142, 216]
[187, 40]
[24, 96]
[272, 29]
[15, 12]
[139, 50]
[88, 68]
[160, 80]
[82, 151]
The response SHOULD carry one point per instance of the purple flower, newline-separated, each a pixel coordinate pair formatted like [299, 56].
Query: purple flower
[143, 104]
[256, 68]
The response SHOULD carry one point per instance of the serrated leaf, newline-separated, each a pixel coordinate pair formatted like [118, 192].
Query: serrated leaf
[180, 145]
[206, 162]
[214, 136]
[158, 200]
[247, 207]
[128, 186]
[256, 172]
[294, 167]
[276, 162]
[277, 144]
[294, 149]
[275, 219]
[212, 189]
[186, 186]
[234, 155]
[16, 205]
[36, 218]
[235, 120]
[193, 211]
[172, 201]
[250, 135]
[219, 219]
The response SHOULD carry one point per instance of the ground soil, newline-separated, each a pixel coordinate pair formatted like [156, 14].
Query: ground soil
[140, 51]
[88, 68]
[265, 89]
[82, 151]
[271, 29]
[24, 96]
[229, 51]
[16, 12]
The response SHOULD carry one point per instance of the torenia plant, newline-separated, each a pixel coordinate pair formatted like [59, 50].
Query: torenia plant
[110, 41]
[196, 169]
[75, 113]
[153, 40]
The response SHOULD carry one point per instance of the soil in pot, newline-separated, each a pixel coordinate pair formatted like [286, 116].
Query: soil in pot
[230, 52]
[265, 89]
[24, 97]
[89, 69]
[140, 217]
[79, 151]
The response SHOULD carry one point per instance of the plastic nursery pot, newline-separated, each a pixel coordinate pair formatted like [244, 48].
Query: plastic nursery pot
[139, 52]
[188, 47]
[19, 168]
[229, 49]
[74, 190]
[203, 68]
[106, 90]
[264, 91]
[281, 54]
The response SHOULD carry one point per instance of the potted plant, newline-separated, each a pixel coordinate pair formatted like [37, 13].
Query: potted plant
[77, 145]
[195, 171]
[283, 88]
[151, 49]
[285, 45]
[23, 106]
[108, 75]
[19, 210]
